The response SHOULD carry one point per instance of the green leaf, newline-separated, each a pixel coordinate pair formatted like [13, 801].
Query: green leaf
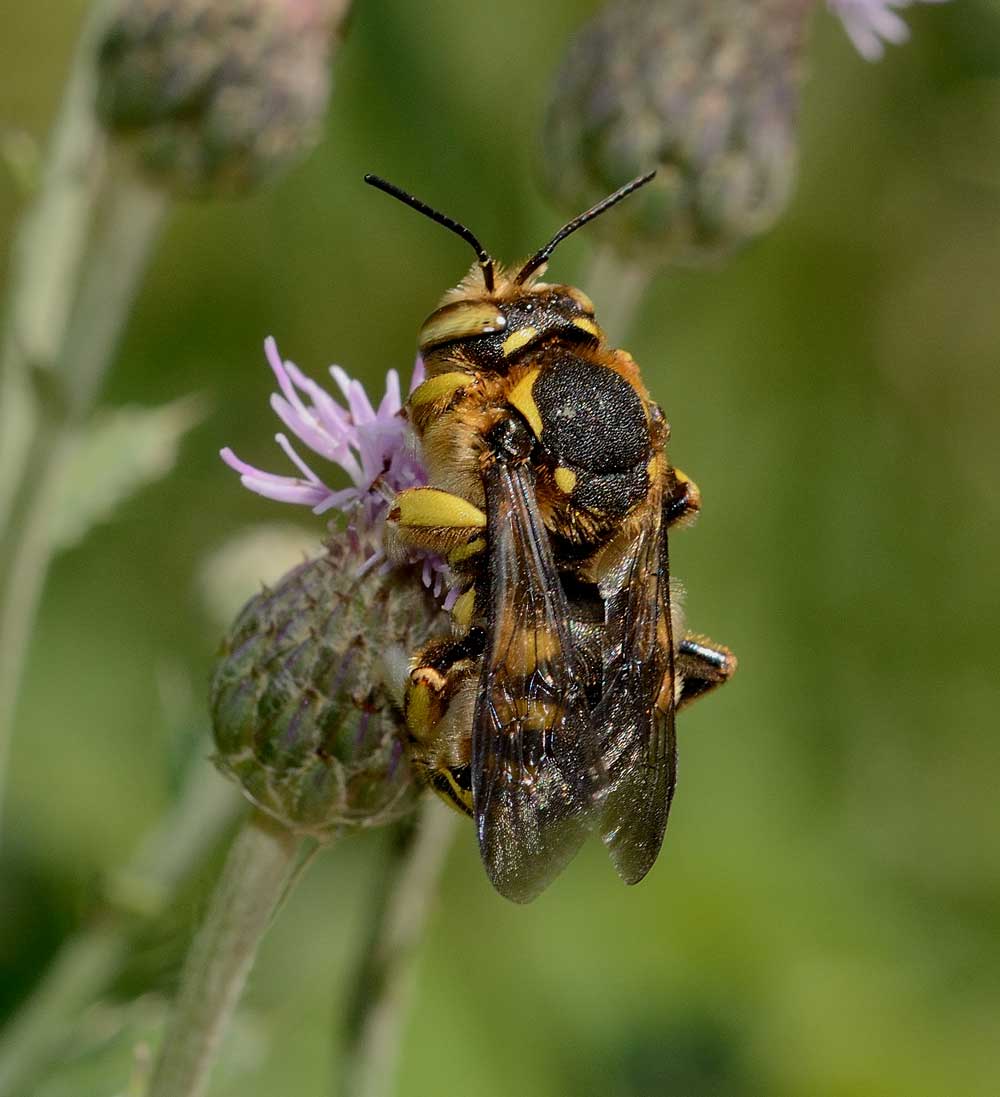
[109, 1052]
[121, 451]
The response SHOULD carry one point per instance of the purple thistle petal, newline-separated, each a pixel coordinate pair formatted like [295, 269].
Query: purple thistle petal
[871, 23]
[306, 430]
[331, 415]
[283, 489]
[375, 558]
[346, 500]
[296, 460]
[357, 399]
[277, 365]
[392, 402]
[375, 448]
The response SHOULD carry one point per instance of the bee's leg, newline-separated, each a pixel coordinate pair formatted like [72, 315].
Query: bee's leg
[434, 521]
[683, 501]
[438, 705]
[701, 665]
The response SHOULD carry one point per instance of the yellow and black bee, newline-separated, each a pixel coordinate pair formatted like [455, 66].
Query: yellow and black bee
[551, 711]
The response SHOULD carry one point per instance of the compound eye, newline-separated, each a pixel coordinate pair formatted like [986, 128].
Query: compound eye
[461, 320]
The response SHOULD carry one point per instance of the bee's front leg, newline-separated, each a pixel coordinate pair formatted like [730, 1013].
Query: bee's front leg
[432, 520]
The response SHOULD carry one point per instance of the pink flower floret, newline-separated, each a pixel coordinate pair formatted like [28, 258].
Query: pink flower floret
[375, 447]
[872, 23]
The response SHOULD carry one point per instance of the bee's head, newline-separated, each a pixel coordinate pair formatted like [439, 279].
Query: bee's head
[496, 313]
[494, 327]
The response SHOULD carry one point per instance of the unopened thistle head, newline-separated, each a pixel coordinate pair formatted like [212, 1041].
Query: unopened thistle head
[217, 95]
[706, 93]
[305, 694]
[304, 701]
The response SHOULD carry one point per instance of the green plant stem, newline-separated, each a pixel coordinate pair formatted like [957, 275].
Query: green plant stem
[617, 287]
[88, 963]
[383, 985]
[116, 257]
[48, 253]
[258, 871]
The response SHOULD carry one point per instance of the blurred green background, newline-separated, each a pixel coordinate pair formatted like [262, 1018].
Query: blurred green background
[823, 921]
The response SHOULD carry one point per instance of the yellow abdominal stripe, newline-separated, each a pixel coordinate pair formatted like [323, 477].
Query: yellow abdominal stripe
[447, 788]
[432, 508]
[529, 715]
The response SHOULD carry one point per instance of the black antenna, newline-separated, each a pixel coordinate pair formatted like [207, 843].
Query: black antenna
[542, 256]
[485, 259]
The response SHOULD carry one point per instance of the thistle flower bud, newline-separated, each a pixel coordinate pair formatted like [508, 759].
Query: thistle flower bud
[304, 714]
[217, 95]
[707, 93]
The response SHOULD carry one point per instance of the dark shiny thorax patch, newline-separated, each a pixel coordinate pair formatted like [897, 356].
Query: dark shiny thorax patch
[594, 425]
[592, 419]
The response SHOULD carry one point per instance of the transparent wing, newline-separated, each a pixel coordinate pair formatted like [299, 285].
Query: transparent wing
[536, 770]
[636, 713]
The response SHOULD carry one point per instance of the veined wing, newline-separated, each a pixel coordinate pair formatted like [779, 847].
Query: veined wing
[636, 713]
[536, 769]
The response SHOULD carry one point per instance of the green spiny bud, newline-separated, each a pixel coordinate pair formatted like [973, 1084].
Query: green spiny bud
[217, 95]
[705, 92]
[303, 704]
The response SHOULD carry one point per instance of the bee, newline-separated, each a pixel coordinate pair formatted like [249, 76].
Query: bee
[550, 713]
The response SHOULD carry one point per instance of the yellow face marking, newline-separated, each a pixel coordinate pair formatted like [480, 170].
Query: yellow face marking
[565, 480]
[520, 338]
[584, 324]
[464, 608]
[437, 388]
[520, 397]
[435, 509]
[461, 320]
[463, 552]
